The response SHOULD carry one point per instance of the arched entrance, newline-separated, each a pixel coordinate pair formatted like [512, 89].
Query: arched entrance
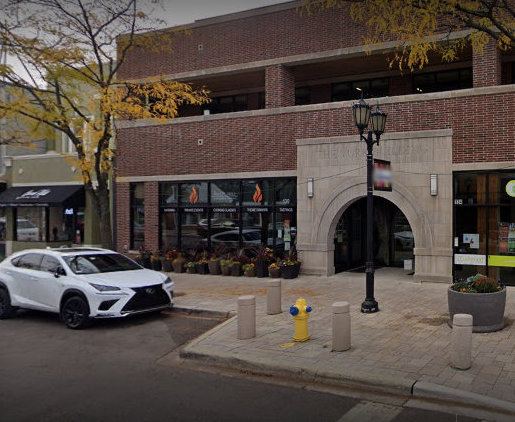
[393, 236]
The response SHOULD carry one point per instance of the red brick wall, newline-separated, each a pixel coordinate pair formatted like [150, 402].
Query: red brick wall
[269, 36]
[486, 66]
[262, 143]
[279, 87]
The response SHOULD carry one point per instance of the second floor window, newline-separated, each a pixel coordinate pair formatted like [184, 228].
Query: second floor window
[228, 104]
[447, 80]
[372, 88]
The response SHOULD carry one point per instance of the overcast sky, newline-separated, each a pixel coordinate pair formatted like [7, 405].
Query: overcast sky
[178, 12]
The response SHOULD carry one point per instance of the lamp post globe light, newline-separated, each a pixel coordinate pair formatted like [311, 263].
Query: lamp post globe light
[362, 115]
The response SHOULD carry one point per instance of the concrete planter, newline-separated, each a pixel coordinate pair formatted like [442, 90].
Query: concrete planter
[487, 309]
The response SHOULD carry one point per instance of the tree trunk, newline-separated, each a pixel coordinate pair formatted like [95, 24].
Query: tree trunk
[103, 212]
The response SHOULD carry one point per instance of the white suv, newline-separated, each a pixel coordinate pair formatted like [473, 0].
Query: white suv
[81, 283]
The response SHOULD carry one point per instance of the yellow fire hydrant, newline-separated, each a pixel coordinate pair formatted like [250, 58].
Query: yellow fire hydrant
[300, 312]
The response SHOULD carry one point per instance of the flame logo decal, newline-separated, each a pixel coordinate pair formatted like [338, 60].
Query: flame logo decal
[193, 196]
[258, 196]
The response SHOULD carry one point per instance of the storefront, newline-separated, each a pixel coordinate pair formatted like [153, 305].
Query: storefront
[43, 214]
[220, 215]
[484, 225]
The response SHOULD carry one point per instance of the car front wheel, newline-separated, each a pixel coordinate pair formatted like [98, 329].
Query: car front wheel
[75, 313]
[6, 310]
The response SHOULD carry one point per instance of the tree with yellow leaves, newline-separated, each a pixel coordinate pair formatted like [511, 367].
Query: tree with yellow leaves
[70, 51]
[422, 26]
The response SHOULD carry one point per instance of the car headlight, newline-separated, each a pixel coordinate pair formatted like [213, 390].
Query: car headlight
[168, 280]
[102, 288]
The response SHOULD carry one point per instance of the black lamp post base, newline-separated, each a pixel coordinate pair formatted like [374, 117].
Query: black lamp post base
[369, 306]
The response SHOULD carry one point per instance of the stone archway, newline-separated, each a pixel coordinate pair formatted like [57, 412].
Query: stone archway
[340, 179]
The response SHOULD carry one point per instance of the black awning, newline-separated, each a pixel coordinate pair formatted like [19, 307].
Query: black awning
[43, 196]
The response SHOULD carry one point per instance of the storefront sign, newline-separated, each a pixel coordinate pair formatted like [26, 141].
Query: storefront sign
[382, 175]
[68, 211]
[194, 210]
[169, 209]
[254, 210]
[285, 209]
[224, 210]
[501, 261]
[34, 194]
[510, 188]
[469, 259]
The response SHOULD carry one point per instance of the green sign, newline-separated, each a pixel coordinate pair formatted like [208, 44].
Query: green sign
[501, 261]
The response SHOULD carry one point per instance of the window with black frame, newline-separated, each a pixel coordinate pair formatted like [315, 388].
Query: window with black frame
[484, 225]
[169, 215]
[137, 221]
[372, 88]
[447, 80]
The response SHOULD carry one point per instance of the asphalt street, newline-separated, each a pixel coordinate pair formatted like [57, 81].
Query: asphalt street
[110, 372]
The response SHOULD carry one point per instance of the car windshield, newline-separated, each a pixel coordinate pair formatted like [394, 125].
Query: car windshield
[100, 263]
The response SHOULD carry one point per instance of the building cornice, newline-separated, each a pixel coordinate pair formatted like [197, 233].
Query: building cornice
[471, 92]
[207, 176]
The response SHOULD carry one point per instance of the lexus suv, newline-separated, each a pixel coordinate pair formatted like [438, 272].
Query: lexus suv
[80, 284]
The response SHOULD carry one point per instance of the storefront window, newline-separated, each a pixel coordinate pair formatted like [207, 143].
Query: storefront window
[61, 223]
[194, 194]
[169, 228]
[484, 234]
[225, 192]
[30, 224]
[286, 192]
[257, 192]
[137, 215]
[193, 228]
[225, 229]
[257, 227]
[286, 229]
[169, 194]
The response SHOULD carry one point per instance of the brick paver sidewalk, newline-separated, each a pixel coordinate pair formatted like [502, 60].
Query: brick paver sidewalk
[407, 341]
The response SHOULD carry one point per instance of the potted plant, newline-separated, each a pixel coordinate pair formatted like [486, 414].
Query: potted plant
[170, 255]
[190, 267]
[155, 260]
[235, 267]
[214, 265]
[201, 266]
[274, 270]
[249, 270]
[290, 268]
[144, 256]
[263, 259]
[178, 263]
[483, 298]
[225, 266]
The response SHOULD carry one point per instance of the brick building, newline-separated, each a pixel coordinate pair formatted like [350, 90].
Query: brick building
[235, 172]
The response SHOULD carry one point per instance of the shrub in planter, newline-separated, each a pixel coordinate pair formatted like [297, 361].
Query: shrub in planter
[145, 256]
[290, 268]
[235, 267]
[263, 260]
[249, 270]
[155, 261]
[214, 265]
[225, 266]
[179, 263]
[170, 255]
[483, 298]
[167, 265]
[190, 267]
[274, 270]
[201, 267]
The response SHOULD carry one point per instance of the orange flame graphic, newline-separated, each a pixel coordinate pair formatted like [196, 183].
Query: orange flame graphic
[193, 196]
[258, 196]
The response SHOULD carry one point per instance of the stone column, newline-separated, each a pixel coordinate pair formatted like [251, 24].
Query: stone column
[246, 317]
[273, 296]
[279, 87]
[461, 347]
[341, 327]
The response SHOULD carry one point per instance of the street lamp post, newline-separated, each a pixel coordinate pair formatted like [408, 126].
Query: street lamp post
[362, 115]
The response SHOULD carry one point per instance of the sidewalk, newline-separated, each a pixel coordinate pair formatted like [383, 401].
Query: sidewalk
[408, 341]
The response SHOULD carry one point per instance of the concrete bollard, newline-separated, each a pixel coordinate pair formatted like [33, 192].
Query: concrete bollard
[246, 317]
[341, 327]
[461, 351]
[273, 296]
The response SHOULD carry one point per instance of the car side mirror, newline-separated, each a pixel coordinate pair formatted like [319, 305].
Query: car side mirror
[59, 272]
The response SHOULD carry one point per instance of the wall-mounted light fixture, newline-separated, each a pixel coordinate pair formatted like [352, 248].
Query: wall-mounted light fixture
[311, 183]
[433, 186]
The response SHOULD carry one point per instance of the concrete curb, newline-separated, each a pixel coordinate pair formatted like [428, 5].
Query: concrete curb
[204, 312]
